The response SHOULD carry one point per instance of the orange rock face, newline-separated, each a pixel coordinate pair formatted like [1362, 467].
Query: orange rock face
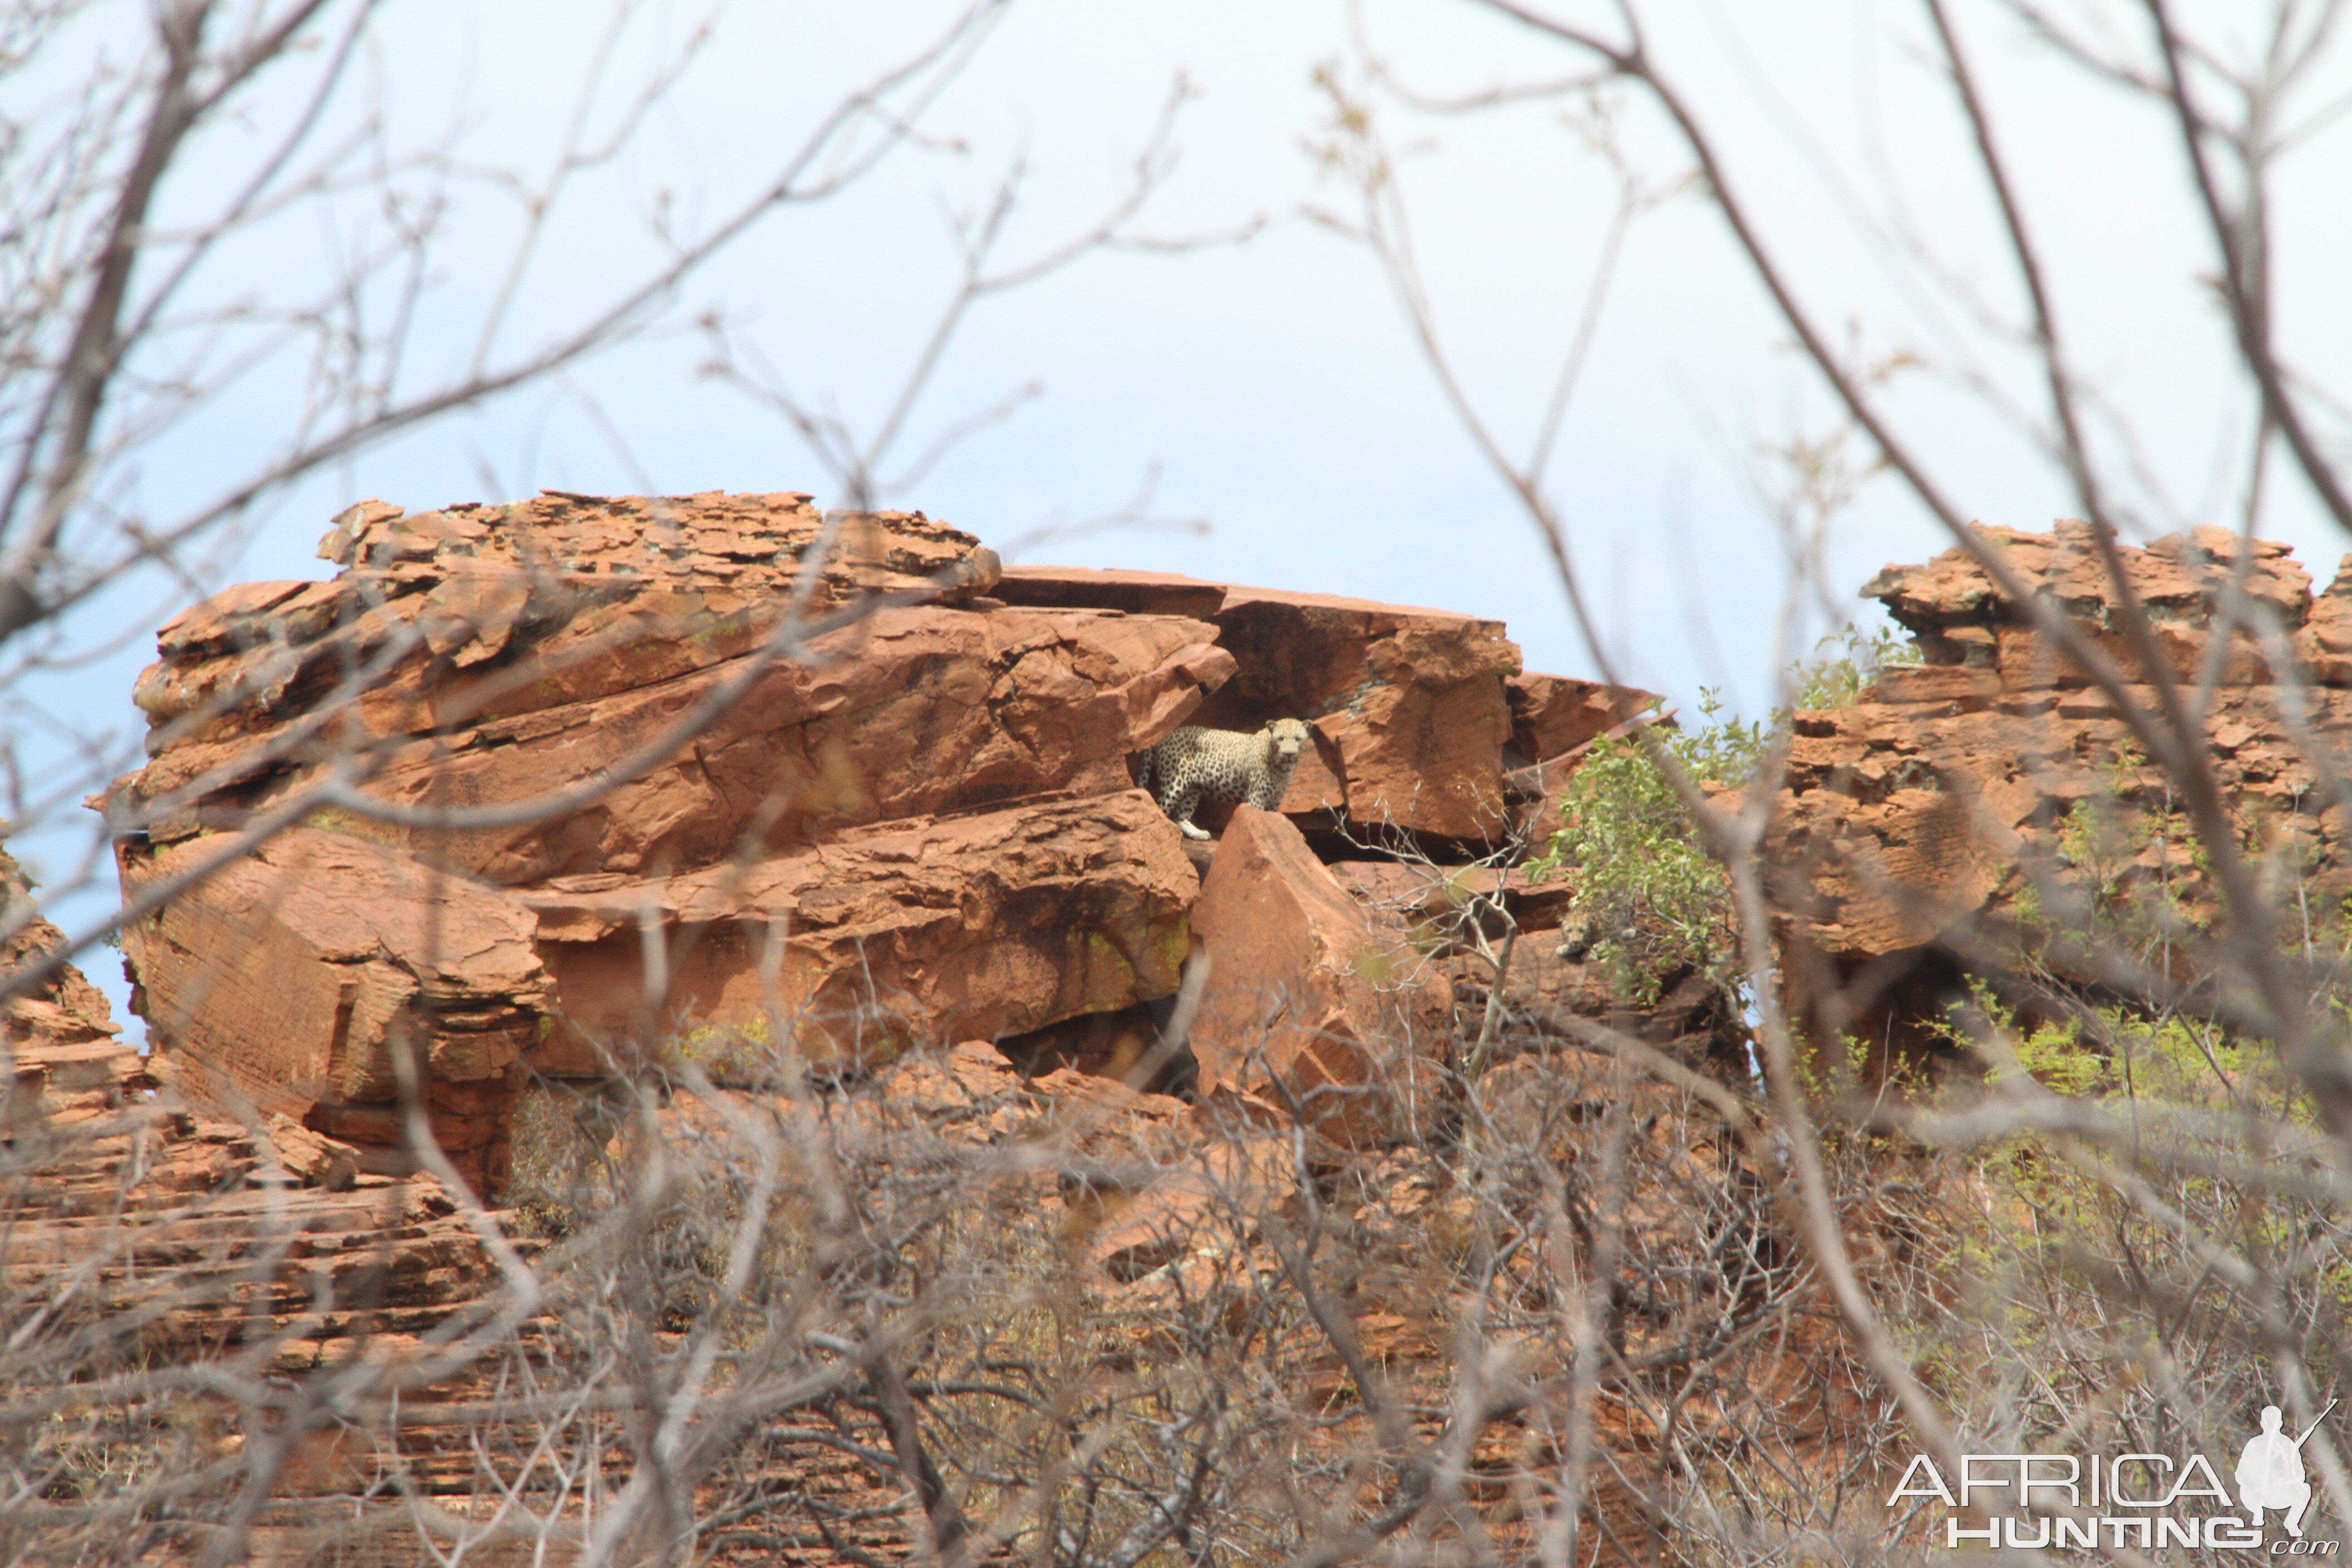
[1552, 715]
[58, 1039]
[1311, 1003]
[299, 974]
[1410, 707]
[584, 790]
[932, 799]
[1960, 797]
[980, 926]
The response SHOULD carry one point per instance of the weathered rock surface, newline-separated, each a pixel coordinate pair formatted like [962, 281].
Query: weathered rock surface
[486, 657]
[1410, 707]
[1950, 806]
[299, 974]
[1960, 616]
[58, 1039]
[920, 826]
[919, 830]
[1311, 1003]
[137, 1224]
[982, 925]
[1552, 715]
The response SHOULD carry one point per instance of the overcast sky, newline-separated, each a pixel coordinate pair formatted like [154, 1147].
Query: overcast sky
[1272, 386]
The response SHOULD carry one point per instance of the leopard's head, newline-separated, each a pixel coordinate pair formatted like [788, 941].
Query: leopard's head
[1285, 738]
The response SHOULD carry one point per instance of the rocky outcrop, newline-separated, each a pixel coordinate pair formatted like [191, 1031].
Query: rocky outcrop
[580, 782]
[141, 1224]
[58, 1040]
[868, 908]
[486, 657]
[1993, 794]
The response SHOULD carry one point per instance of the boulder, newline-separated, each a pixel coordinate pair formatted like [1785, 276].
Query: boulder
[293, 977]
[1411, 893]
[982, 925]
[1311, 1003]
[479, 610]
[1215, 1199]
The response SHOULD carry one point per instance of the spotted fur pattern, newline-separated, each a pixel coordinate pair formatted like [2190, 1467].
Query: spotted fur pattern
[1228, 765]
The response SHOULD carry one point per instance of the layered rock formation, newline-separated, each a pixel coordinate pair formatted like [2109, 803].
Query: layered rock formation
[142, 1222]
[580, 779]
[64, 1058]
[1993, 791]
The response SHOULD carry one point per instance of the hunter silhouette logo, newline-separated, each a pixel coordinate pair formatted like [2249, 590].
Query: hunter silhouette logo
[2270, 1471]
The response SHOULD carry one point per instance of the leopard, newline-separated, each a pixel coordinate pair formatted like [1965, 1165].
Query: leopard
[1228, 765]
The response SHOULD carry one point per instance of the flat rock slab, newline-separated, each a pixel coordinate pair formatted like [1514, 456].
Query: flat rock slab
[982, 925]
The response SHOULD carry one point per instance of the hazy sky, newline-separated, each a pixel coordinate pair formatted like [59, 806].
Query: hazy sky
[1272, 386]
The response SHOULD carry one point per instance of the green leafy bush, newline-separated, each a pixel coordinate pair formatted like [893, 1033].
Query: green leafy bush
[1650, 902]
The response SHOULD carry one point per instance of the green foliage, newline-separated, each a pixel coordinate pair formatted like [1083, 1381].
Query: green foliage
[2105, 1052]
[1645, 885]
[729, 1055]
[1652, 903]
[1845, 662]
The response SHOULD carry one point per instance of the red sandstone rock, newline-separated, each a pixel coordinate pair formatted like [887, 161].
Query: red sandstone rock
[1409, 706]
[60, 1062]
[1308, 1002]
[922, 710]
[985, 924]
[134, 1225]
[1552, 714]
[922, 829]
[2325, 644]
[1924, 818]
[1962, 618]
[510, 653]
[1096, 588]
[65, 1009]
[294, 974]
